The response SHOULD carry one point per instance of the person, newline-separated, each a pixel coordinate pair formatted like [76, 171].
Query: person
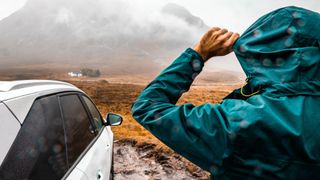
[268, 129]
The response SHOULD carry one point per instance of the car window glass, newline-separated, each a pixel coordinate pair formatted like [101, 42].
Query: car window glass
[38, 151]
[79, 131]
[94, 112]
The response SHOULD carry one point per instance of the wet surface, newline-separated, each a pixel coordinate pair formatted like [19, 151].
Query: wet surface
[144, 161]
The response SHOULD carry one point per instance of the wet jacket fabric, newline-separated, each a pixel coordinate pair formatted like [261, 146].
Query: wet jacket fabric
[270, 128]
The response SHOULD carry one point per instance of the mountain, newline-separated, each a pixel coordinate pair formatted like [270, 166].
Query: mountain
[183, 13]
[112, 35]
[95, 32]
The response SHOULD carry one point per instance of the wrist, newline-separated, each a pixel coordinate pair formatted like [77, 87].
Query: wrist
[200, 52]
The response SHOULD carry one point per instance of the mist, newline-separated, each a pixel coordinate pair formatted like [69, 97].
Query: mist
[111, 33]
[120, 36]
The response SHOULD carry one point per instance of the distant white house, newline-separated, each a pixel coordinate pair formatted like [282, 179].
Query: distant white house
[75, 74]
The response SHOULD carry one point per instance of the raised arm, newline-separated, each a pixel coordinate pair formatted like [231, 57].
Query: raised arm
[196, 132]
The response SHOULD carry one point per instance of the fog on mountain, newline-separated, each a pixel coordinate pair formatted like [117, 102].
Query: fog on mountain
[111, 32]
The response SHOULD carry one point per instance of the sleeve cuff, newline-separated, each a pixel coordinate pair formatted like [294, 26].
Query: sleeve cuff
[196, 60]
[194, 53]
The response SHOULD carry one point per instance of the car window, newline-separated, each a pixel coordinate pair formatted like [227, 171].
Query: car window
[38, 151]
[79, 130]
[94, 112]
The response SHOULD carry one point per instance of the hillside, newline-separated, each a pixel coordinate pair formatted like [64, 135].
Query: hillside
[60, 36]
[83, 32]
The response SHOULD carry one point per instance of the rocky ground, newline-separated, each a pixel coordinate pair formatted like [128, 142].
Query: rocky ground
[143, 161]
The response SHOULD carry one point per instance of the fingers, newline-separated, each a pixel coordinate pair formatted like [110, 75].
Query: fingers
[228, 39]
[232, 39]
[225, 36]
[222, 31]
[216, 42]
[213, 30]
[216, 33]
[219, 32]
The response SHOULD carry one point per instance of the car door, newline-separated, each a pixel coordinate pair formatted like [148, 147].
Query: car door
[88, 143]
[100, 155]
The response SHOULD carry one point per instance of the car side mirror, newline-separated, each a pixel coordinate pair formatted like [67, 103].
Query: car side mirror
[113, 120]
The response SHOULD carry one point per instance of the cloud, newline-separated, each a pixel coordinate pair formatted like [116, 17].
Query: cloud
[131, 25]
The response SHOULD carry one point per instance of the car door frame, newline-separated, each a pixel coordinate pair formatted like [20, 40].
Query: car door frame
[96, 134]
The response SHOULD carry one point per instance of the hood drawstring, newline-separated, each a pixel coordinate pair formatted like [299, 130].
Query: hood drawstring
[249, 95]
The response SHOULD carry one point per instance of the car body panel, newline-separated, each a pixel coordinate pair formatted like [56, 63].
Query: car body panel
[6, 86]
[21, 105]
[9, 128]
[77, 174]
[97, 161]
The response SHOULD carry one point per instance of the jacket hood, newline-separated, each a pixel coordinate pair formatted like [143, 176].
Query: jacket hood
[281, 50]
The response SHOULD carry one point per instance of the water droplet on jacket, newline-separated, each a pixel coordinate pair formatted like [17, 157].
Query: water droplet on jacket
[214, 170]
[196, 65]
[292, 30]
[194, 75]
[250, 60]
[257, 33]
[243, 48]
[157, 115]
[301, 23]
[279, 61]
[288, 42]
[267, 62]
[244, 124]
[296, 15]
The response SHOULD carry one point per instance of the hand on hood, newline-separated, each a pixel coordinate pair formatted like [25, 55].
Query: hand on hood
[216, 42]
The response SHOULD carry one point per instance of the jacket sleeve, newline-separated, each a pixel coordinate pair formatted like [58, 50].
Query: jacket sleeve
[198, 133]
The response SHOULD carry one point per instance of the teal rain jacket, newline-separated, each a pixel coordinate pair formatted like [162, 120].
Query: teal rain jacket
[268, 129]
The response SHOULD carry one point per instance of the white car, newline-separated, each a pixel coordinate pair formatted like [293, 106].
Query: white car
[52, 130]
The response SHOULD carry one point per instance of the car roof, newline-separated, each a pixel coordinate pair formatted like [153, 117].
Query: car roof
[12, 89]
[19, 96]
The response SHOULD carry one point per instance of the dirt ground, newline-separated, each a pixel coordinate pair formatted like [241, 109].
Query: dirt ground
[143, 161]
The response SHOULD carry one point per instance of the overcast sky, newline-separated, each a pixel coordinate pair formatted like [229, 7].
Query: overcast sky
[235, 15]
